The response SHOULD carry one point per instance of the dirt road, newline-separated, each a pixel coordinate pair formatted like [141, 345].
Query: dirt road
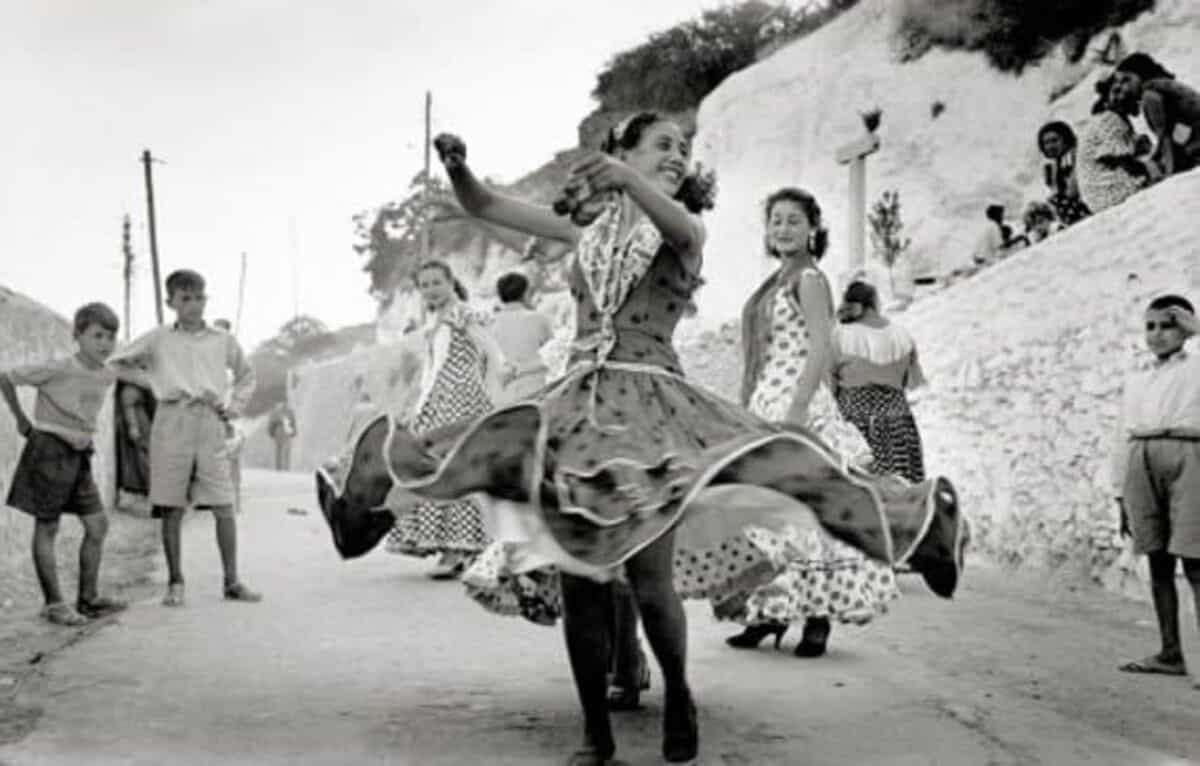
[368, 662]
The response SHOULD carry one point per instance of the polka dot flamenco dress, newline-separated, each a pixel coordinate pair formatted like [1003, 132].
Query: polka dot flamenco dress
[622, 450]
[821, 577]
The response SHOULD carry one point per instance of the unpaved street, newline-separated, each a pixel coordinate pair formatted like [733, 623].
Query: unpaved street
[368, 662]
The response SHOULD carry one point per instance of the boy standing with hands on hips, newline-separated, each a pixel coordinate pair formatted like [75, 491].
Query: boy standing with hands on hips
[187, 364]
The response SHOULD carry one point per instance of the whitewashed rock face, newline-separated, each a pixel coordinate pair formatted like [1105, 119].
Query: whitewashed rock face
[1026, 361]
[779, 123]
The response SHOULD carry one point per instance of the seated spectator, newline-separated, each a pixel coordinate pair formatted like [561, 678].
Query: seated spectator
[1109, 169]
[1172, 110]
[1057, 143]
[1040, 221]
[997, 240]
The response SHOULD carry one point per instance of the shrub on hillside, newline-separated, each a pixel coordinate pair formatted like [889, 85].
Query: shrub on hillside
[1011, 33]
[676, 68]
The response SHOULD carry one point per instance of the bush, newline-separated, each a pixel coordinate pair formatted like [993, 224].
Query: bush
[1011, 33]
[676, 68]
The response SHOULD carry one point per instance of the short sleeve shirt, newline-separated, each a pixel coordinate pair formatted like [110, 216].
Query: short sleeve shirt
[69, 397]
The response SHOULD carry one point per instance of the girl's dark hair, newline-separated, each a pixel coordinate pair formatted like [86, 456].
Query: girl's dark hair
[697, 192]
[1144, 66]
[862, 293]
[459, 290]
[818, 241]
[1062, 129]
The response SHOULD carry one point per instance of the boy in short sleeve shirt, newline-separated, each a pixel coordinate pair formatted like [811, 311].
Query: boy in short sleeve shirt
[188, 364]
[1156, 471]
[54, 472]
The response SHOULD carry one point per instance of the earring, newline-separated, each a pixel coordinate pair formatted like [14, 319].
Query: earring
[812, 243]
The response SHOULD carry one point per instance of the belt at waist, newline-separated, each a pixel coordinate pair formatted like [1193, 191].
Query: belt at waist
[1174, 434]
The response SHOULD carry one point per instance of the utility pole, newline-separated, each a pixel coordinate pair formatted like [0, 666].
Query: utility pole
[427, 228]
[127, 252]
[237, 326]
[158, 304]
[295, 271]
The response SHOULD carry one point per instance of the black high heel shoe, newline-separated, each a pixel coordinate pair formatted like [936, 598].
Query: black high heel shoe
[815, 638]
[753, 635]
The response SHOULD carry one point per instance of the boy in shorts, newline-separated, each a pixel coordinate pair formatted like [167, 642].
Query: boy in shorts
[187, 364]
[54, 473]
[1156, 471]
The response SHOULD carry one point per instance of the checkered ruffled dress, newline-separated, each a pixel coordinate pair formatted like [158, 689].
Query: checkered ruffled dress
[458, 394]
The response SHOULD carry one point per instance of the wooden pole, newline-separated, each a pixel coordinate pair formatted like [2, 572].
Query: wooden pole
[158, 304]
[237, 326]
[295, 270]
[127, 252]
[427, 228]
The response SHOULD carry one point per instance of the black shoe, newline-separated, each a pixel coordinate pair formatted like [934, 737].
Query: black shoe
[753, 635]
[681, 734]
[815, 638]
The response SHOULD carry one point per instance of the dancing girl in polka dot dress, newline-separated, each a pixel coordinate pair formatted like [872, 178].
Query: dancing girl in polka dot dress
[621, 470]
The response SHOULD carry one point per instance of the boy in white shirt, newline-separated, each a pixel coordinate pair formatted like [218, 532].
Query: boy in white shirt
[1156, 471]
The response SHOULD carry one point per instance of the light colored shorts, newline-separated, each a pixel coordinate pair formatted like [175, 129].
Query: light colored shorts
[189, 464]
[1162, 496]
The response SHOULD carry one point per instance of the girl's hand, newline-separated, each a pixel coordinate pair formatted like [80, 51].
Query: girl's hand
[602, 172]
[452, 150]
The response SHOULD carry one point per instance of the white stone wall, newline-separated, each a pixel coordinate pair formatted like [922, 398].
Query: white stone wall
[780, 121]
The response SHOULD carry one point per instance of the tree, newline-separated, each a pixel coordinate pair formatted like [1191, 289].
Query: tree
[886, 233]
[389, 236]
[676, 68]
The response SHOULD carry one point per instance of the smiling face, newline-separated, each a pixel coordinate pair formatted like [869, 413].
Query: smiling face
[661, 155]
[435, 287]
[1163, 335]
[788, 228]
[96, 343]
[188, 305]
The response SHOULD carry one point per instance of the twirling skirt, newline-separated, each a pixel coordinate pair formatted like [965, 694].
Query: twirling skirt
[607, 460]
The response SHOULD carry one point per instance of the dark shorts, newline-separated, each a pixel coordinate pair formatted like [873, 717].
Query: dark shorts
[53, 478]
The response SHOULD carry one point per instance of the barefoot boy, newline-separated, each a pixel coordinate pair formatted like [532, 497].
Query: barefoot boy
[54, 473]
[1157, 471]
[187, 364]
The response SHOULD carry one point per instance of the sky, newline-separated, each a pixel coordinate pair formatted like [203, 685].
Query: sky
[275, 122]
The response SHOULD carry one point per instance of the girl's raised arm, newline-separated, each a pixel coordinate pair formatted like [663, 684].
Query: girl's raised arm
[484, 203]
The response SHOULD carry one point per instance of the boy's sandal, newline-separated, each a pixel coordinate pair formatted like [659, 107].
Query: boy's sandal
[174, 595]
[100, 606]
[61, 614]
[239, 592]
[1153, 665]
